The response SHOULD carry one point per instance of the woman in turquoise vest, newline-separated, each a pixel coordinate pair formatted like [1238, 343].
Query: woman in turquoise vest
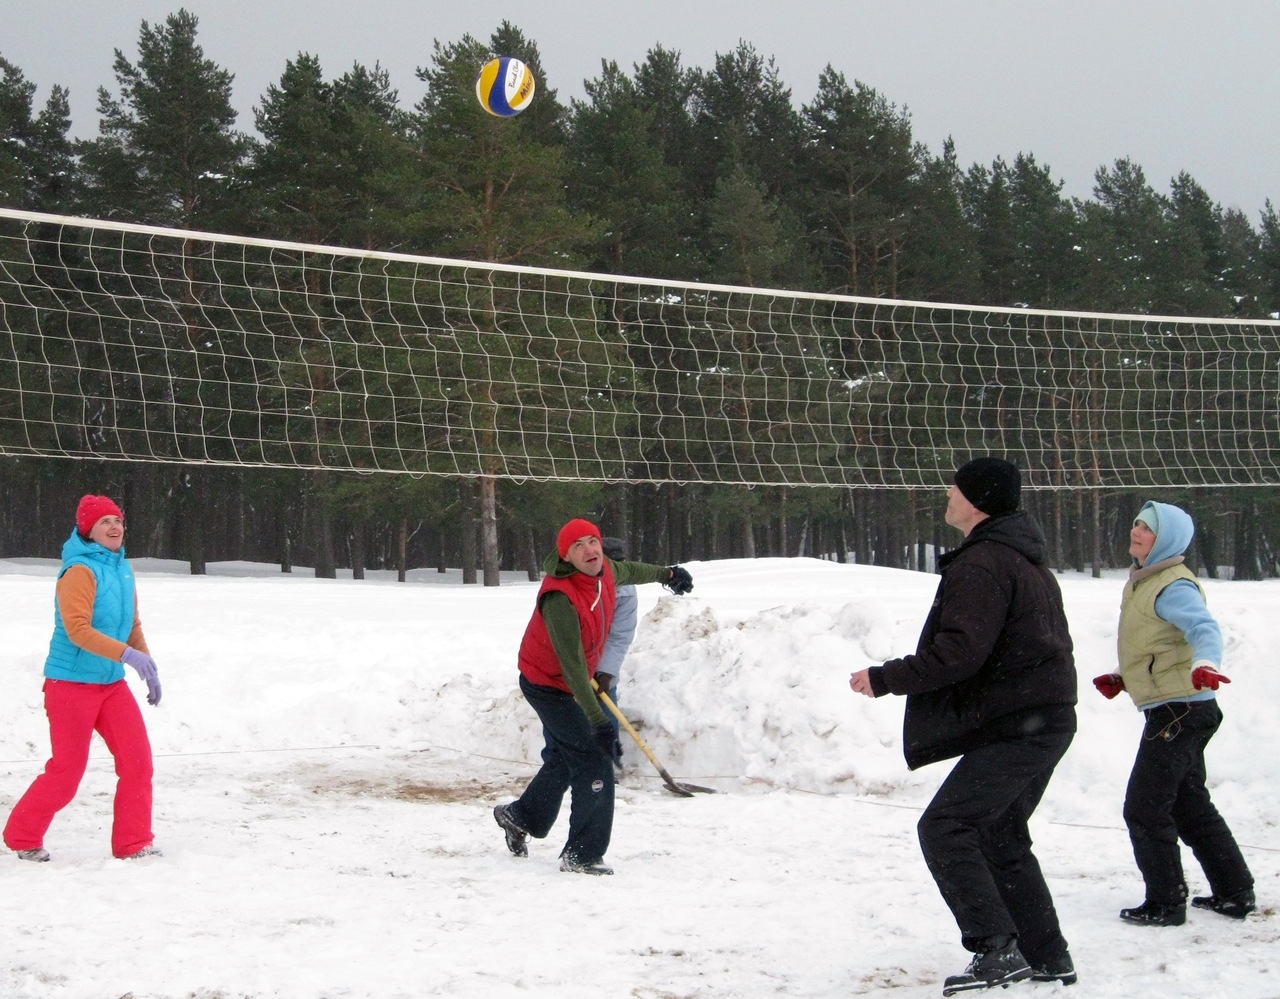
[96, 631]
[1170, 648]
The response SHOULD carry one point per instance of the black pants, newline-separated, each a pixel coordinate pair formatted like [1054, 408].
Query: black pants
[572, 762]
[1166, 799]
[975, 840]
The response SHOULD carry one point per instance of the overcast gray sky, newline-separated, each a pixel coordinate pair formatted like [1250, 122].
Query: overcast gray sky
[1172, 84]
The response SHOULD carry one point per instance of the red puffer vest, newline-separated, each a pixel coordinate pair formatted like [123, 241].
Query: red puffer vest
[593, 597]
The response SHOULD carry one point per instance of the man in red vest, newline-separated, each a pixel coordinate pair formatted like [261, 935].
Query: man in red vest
[558, 658]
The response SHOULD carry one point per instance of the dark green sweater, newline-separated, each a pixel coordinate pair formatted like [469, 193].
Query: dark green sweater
[566, 633]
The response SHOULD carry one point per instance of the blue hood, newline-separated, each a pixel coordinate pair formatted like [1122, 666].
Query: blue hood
[76, 548]
[1174, 530]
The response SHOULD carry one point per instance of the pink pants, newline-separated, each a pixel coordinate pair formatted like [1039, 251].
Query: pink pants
[76, 711]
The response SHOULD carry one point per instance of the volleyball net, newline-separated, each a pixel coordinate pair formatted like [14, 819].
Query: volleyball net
[137, 343]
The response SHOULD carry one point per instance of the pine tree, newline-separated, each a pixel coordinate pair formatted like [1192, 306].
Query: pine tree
[1268, 266]
[494, 191]
[1046, 231]
[618, 175]
[168, 152]
[752, 240]
[37, 168]
[859, 164]
[743, 118]
[940, 258]
[1024, 233]
[334, 164]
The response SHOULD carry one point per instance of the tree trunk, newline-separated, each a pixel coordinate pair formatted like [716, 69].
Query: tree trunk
[326, 561]
[531, 556]
[1096, 529]
[357, 549]
[402, 549]
[489, 530]
[1059, 555]
[467, 515]
[193, 519]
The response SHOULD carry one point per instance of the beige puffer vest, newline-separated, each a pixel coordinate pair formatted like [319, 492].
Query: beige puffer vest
[1155, 656]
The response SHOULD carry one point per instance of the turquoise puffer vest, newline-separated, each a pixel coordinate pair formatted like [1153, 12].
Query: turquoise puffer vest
[113, 613]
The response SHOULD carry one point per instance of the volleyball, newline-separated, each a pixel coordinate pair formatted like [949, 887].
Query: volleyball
[504, 86]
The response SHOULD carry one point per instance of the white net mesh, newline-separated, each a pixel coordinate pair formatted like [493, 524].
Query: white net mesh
[137, 343]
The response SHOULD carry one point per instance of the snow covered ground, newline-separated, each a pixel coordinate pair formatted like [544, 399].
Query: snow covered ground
[328, 754]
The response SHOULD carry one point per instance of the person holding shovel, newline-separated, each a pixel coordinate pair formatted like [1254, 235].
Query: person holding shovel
[558, 658]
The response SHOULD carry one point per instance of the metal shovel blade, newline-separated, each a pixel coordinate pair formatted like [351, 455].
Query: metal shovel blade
[683, 790]
[675, 787]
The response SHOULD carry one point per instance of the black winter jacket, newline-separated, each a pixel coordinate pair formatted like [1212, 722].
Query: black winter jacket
[994, 659]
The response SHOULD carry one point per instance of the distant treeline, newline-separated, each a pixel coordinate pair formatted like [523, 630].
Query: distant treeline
[665, 171]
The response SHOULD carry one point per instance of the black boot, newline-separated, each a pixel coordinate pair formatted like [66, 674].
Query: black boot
[1057, 969]
[1236, 906]
[998, 966]
[1156, 914]
[516, 836]
[572, 865]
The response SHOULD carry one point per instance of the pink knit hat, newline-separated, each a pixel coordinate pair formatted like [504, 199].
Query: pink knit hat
[92, 509]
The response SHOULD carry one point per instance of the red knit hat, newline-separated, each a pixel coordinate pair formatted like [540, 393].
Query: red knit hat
[572, 531]
[92, 509]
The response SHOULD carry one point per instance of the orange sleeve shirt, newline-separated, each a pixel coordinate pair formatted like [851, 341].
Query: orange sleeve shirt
[76, 591]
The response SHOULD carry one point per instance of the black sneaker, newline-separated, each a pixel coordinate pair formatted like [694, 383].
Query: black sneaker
[1058, 969]
[1155, 914]
[995, 967]
[516, 836]
[39, 854]
[1236, 906]
[572, 865]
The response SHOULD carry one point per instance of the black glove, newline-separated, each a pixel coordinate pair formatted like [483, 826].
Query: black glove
[605, 682]
[679, 582]
[607, 742]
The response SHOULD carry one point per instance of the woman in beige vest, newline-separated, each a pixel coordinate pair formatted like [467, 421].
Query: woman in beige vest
[1170, 648]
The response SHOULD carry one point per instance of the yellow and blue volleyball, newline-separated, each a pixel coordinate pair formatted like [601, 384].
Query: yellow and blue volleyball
[504, 86]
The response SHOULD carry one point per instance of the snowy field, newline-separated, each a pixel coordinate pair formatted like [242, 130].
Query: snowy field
[328, 754]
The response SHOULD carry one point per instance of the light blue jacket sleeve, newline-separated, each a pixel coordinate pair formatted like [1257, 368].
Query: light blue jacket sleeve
[621, 632]
[1181, 604]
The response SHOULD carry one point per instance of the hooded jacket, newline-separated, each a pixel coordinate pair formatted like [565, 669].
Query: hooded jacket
[1165, 626]
[113, 614]
[994, 660]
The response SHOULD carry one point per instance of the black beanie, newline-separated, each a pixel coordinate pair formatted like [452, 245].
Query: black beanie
[614, 548]
[990, 484]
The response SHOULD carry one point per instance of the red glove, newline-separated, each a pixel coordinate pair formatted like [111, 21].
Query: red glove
[1207, 676]
[1109, 684]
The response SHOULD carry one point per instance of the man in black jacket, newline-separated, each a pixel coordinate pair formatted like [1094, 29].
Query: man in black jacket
[993, 682]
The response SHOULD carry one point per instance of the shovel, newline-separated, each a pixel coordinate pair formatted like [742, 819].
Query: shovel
[675, 787]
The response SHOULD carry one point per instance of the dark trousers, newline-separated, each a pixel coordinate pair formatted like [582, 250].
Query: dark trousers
[1166, 799]
[975, 840]
[572, 762]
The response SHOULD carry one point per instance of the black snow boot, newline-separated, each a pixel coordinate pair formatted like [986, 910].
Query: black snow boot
[1155, 914]
[998, 966]
[1057, 969]
[1236, 906]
